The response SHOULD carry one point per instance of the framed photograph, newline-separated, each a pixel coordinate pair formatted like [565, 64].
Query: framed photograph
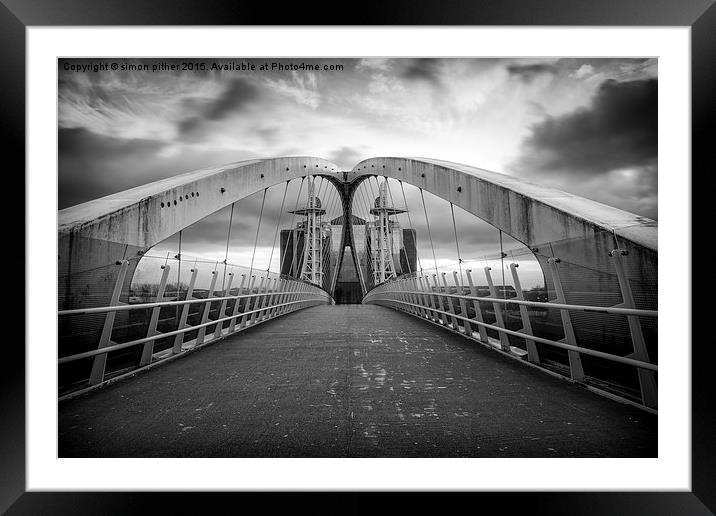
[447, 236]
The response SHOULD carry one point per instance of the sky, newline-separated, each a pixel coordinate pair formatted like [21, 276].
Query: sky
[586, 126]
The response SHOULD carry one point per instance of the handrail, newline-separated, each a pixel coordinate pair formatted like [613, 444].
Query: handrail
[161, 304]
[562, 306]
[107, 349]
[585, 351]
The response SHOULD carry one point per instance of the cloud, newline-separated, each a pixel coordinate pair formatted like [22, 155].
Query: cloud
[346, 157]
[528, 73]
[302, 88]
[91, 165]
[238, 94]
[427, 70]
[584, 71]
[618, 130]
[581, 150]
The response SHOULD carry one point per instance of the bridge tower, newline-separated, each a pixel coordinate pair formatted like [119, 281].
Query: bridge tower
[381, 236]
[312, 266]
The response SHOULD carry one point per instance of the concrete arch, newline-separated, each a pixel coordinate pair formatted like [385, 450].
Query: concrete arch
[94, 235]
[528, 212]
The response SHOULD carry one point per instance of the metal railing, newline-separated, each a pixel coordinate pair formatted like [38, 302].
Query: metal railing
[416, 295]
[252, 305]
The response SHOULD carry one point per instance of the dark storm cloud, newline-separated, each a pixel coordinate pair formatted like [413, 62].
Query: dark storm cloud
[528, 72]
[423, 70]
[618, 130]
[238, 94]
[92, 165]
[235, 96]
[77, 140]
[86, 158]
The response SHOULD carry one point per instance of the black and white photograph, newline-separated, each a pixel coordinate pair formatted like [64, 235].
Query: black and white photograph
[357, 257]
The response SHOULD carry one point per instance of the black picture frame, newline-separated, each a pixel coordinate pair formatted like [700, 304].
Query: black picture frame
[700, 15]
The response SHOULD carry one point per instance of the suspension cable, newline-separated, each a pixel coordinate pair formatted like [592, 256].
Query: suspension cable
[293, 218]
[228, 238]
[179, 267]
[407, 211]
[402, 239]
[457, 244]
[502, 264]
[278, 225]
[258, 227]
[429, 233]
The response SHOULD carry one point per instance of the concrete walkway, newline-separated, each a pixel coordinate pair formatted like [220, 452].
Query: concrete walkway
[350, 381]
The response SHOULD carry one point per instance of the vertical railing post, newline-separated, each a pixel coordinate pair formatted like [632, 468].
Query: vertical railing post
[235, 311]
[302, 296]
[427, 299]
[449, 300]
[267, 302]
[403, 295]
[500, 321]
[463, 304]
[647, 378]
[301, 288]
[416, 297]
[222, 308]
[257, 300]
[148, 348]
[207, 308]
[575, 359]
[288, 287]
[291, 285]
[532, 353]
[275, 310]
[179, 339]
[442, 318]
[247, 303]
[100, 361]
[476, 306]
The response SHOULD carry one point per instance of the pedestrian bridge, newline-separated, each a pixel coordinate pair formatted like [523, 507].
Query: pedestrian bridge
[350, 381]
[429, 364]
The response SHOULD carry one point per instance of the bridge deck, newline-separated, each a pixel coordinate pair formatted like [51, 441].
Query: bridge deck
[346, 381]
